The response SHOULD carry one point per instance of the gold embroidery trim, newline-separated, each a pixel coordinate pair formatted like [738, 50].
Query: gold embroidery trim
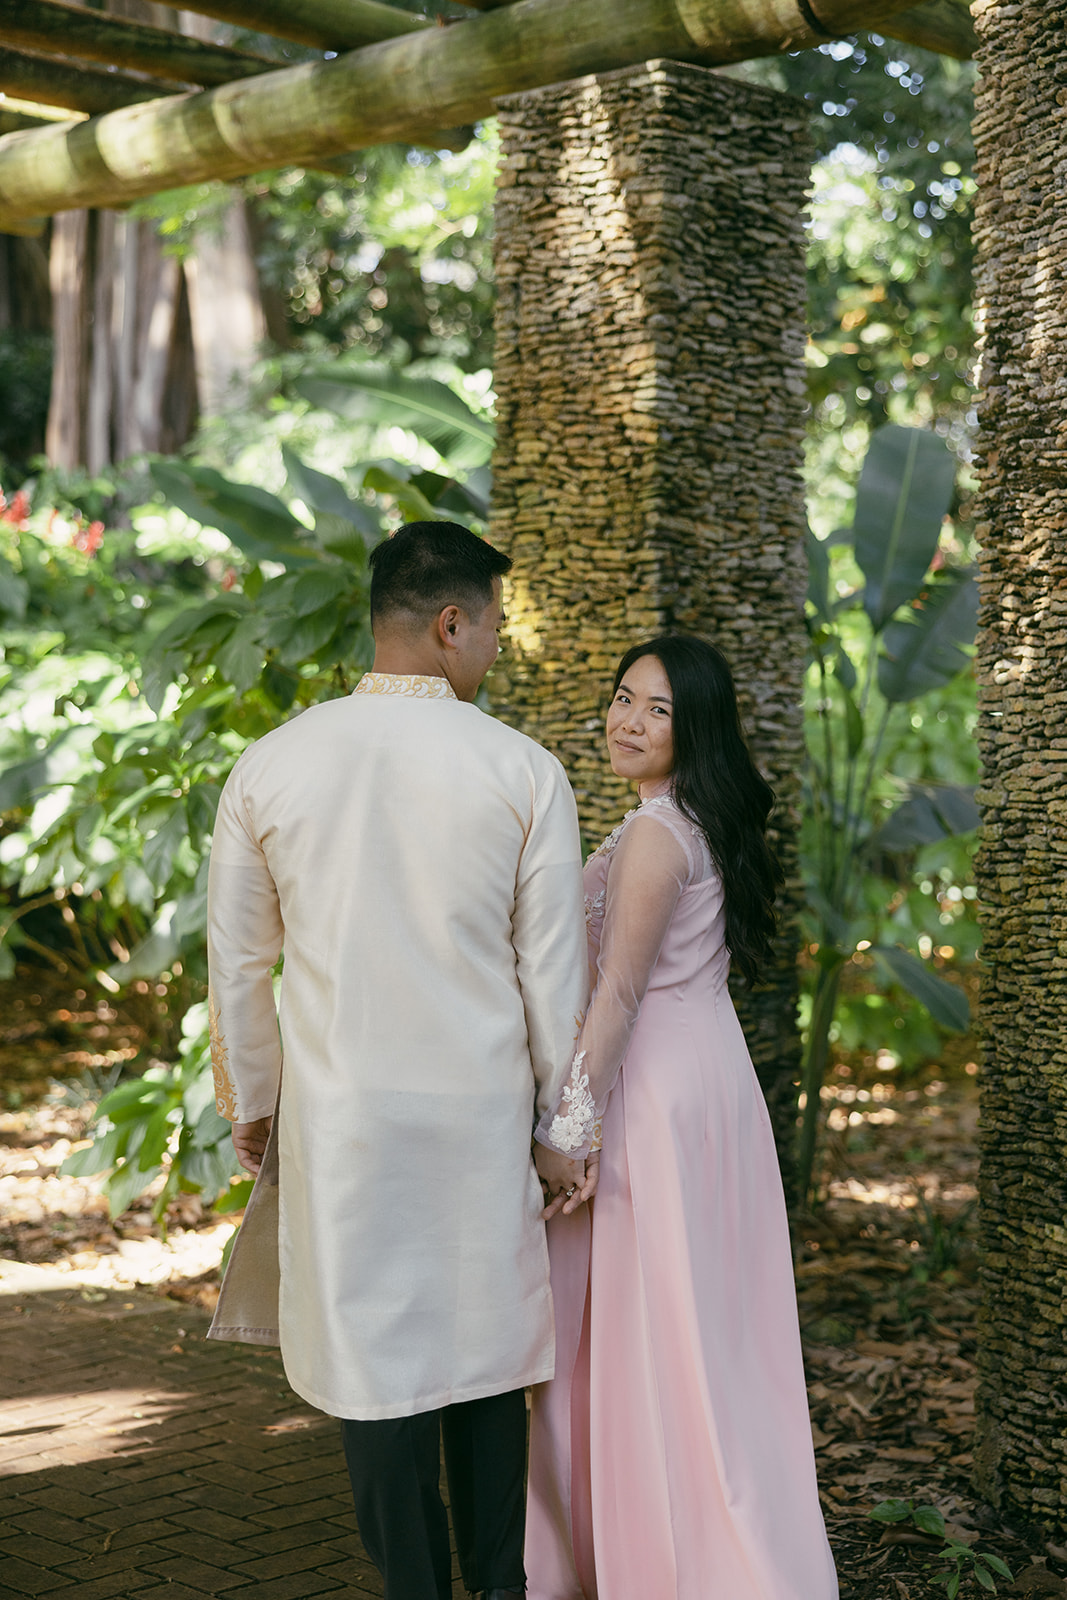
[225, 1091]
[418, 686]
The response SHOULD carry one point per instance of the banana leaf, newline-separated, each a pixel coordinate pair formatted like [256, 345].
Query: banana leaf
[383, 398]
[321, 493]
[946, 1002]
[932, 811]
[924, 647]
[257, 522]
[904, 492]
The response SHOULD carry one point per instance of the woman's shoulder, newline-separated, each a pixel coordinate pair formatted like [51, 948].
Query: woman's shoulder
[647, 820]
[661, 817]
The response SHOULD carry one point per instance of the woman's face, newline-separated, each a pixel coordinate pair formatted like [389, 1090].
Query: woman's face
[640, 731]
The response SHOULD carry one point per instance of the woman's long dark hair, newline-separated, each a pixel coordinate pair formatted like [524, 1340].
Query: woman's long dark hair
[716, 783]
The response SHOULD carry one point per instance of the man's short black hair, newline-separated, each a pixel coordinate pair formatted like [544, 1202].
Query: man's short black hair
[426, 566]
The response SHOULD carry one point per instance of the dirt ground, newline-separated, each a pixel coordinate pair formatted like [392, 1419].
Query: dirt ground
[886, 1280]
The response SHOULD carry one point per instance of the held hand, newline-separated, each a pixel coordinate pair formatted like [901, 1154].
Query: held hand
[592, 1178]
[250, 1141]
[559, 1175]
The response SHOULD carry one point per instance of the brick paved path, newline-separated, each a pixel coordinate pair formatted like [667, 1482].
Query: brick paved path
[139, 1460]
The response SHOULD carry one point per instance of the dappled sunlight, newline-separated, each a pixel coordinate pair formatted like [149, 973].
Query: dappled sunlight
[53, 1218]
[89, 1426]
[525, 627]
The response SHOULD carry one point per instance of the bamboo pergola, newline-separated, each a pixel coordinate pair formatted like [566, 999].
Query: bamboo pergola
[157, 110]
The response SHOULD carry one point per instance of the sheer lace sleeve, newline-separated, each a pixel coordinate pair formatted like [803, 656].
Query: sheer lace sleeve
[650, 867]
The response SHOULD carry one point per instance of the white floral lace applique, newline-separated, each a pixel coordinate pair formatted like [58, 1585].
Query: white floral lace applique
[606, 846]
[594, 905]
[571, 1127]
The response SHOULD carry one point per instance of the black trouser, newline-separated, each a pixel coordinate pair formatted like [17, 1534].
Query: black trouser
[395, 1467]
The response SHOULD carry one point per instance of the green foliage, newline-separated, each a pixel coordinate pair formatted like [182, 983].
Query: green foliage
[900, 633]
[962, 1561]
[428, 408]
[139, 661]
[890, 250]
[168, 1112]
[388, 256]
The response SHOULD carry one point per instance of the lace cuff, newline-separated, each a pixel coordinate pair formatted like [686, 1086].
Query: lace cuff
[575, 1128]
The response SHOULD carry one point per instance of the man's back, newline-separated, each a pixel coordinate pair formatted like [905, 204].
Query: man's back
[422, 859]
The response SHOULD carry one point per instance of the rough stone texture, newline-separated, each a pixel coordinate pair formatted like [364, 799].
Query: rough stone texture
[1021, 235]
[649, 335]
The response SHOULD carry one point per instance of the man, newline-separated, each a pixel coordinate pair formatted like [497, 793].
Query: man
[420, 862]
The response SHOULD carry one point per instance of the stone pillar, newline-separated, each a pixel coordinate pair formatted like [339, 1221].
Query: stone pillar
[1021, 237]
[650, 394]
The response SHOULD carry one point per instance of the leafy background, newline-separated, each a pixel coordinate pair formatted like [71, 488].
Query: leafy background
[160, 617]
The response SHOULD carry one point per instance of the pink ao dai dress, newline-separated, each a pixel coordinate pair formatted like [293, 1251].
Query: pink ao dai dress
[671, 1455]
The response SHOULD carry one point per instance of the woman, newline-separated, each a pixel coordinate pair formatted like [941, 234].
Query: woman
[671, 1455]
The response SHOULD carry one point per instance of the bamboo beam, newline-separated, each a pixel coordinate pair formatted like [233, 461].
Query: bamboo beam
[941, 25]
[326, 24]
[54, 27]
[398, 90]
[57, 83]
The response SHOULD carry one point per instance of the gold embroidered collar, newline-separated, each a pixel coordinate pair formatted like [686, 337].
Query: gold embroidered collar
[419, 686]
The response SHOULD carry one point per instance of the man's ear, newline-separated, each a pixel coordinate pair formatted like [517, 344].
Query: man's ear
[448, 624]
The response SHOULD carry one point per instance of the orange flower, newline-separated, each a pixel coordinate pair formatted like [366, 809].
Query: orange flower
[89, 539]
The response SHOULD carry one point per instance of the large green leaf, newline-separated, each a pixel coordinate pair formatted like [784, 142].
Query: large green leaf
[904, 491]
[413, 504]
[460, 500]
[946, 1002]
[319, 588]
[62, 762]
[932, 811]
[924, 648]
[320, 492]
[381, 397]
[126, 1182]
[155, 953]
[240, 657]
[254, 520]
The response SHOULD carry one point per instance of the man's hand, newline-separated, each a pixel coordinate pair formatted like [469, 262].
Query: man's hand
[250, 1141]
[559, 1175]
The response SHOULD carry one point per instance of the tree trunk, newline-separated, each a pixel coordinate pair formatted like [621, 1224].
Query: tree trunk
[1020, 232]
[225, 302]
[144, 343]
[64, 439]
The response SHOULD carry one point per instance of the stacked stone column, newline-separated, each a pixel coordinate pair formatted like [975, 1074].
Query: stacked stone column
[649, 337]
[1021, 236]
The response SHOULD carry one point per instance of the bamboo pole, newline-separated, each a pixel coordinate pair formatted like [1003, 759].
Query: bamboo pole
[941, 25]
[944, 26]
[398, 90]
[326, 24]
[58, 83]
[73, 30]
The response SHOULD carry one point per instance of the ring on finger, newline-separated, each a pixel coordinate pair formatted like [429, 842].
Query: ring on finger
[573, 1189]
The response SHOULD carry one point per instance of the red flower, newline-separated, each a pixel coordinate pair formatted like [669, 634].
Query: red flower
[89, 539]
[17, 511]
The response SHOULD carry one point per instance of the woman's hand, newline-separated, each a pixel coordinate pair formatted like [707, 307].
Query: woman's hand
[565, 1184]
[250, 1141]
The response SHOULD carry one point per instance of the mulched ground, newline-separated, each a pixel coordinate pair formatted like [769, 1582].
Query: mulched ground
[886, 1275]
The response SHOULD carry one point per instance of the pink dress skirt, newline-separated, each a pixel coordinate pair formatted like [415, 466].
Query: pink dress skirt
[671, 1456]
